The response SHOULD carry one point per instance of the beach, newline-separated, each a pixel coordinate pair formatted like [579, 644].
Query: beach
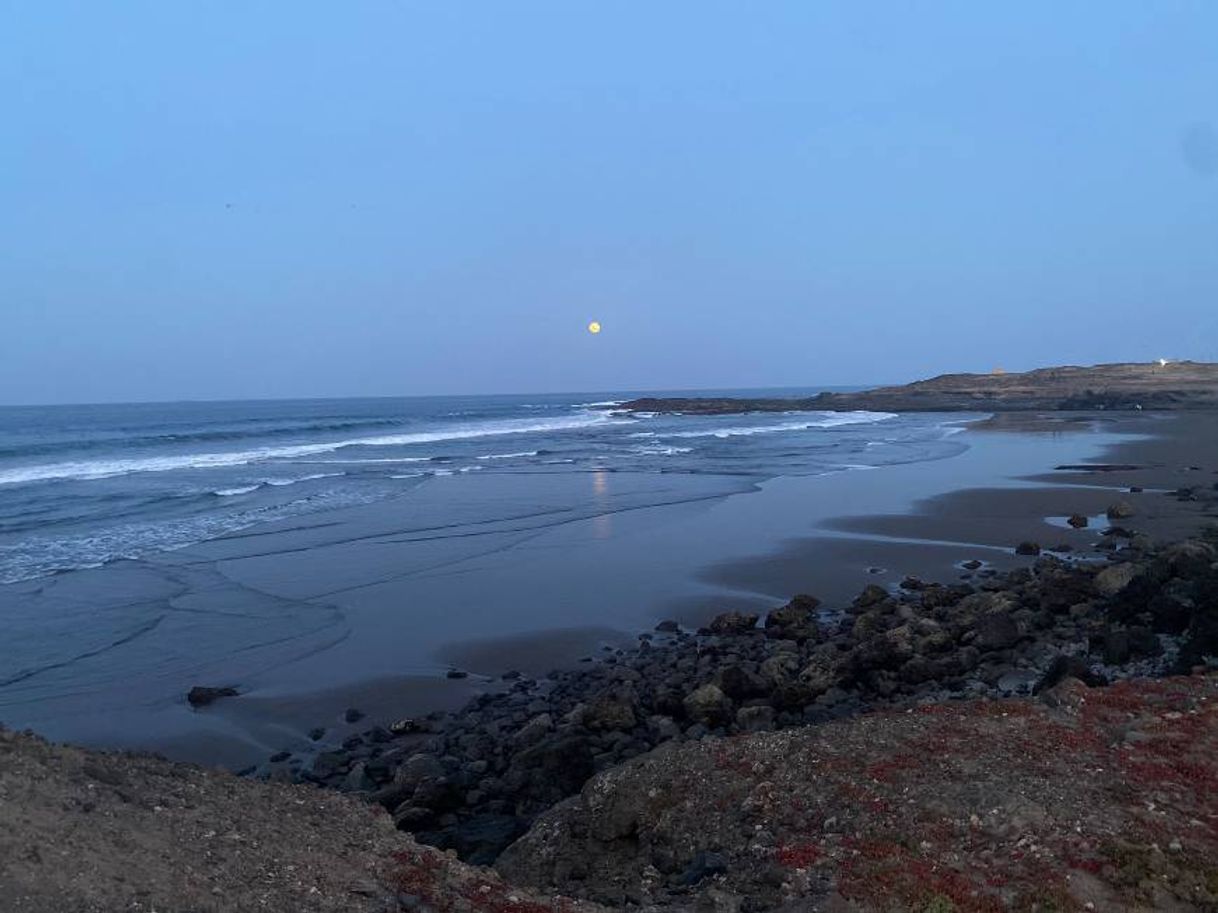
[356, 609]
[845, 616]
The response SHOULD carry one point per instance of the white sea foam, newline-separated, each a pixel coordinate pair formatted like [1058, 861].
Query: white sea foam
[242, 490]
[277, 483]
[661, 450]
[101, 469]
[425, 459]
[508, 456]
[308, 478]
[826, 420]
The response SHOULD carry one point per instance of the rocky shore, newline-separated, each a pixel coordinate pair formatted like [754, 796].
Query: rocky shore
[475, 780]
[1036, 734]
[1167, 386]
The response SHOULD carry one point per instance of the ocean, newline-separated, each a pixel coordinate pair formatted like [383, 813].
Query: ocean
[319, 554]
[81, 486]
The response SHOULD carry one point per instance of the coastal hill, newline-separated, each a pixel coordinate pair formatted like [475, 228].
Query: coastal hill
[1170, 385]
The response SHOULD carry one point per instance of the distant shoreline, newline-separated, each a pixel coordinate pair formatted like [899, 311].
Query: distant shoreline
[1117, 387]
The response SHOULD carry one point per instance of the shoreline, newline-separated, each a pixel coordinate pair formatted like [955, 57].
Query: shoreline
[853, 708]
[474, 779]
[830, 562]
[760, 585]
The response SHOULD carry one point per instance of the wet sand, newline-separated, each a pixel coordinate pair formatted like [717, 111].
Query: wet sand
[936, 535]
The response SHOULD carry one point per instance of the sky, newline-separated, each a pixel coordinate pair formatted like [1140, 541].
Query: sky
[279, 199]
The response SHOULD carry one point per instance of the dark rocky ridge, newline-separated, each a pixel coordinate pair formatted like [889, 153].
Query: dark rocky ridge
[1176, 385]
[473, 781]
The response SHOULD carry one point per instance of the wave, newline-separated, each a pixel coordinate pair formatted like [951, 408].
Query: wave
[828, 420]
[661, 451]
[509, 456]
[101, 469]
[275, 483]
[191, 437]
[38, 556]
[242, 490]
[425, 459]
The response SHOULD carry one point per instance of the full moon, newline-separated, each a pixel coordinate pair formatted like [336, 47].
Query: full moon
[594, 327]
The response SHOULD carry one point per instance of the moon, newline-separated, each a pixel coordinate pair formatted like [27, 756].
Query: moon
[594, 327]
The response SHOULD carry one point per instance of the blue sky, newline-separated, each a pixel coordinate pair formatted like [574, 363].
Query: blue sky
[228, 200]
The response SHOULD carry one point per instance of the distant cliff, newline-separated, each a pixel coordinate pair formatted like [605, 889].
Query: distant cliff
[1175, 385]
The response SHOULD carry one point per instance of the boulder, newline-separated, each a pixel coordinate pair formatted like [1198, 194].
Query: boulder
[328, 764]
[1114, 578]
[663, 728]
[613, 710]
[1027, 548]
[1078, 521]
[534, 730]
[794, 621]
[779, 668]
[479, 840]
[732, 623]
[740, 683]
[1067, 667]
[755, 719]
[1189, 558]
[704, 865]
[872, 595]
[996, 631]
[357, 779]
[823, 670]
[708, 705]
[557, 766]
[410, 817]
[1120, 510]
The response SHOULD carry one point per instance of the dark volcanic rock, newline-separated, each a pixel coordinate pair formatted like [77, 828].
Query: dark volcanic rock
[1064, 667]
[732, 623]
[556, 767]
[200, 696]
[703, 866]
[996, 632]
[613, 710]
[794, 621]
[1027, 548]
[479, 839]
[708, 705]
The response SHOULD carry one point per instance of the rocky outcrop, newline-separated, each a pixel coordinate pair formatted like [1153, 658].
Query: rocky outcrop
[473, 780]
[978, 805]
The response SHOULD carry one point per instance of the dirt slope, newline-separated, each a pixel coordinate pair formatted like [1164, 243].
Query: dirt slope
[87, 832]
